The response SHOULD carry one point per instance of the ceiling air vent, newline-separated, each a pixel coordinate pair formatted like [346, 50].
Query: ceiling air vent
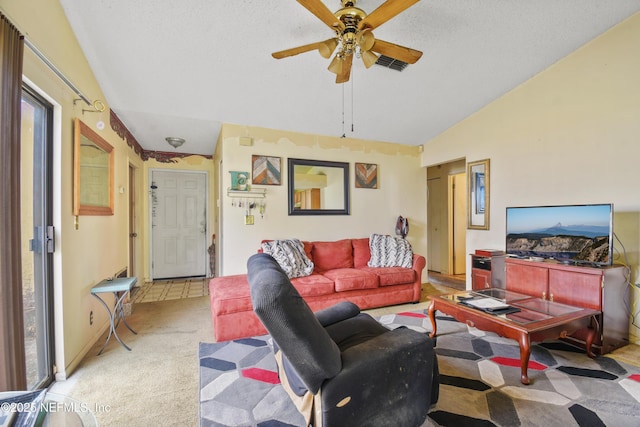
[394, 64]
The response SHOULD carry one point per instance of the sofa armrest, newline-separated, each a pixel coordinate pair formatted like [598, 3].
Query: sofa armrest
[337, 313]
[419, 263]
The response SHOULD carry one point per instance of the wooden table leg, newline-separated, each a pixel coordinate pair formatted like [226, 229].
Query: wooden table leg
[432, 316]
[525, 353]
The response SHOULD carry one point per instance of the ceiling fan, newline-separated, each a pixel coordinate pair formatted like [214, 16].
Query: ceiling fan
[354, 36]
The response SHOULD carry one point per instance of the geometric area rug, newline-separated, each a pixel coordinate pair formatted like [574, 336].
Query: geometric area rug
[479, 382]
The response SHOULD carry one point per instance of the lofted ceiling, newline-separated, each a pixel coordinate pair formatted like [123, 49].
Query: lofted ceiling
[182, 68]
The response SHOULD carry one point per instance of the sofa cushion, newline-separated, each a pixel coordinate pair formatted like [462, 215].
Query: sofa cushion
[361, 252]
[349, 279]
[313, 285]
[332, 255]
[389, 251]
[389, 276]
[290, 255]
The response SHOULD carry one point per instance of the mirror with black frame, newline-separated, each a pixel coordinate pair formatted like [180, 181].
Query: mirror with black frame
[318, 187]
[92, 172]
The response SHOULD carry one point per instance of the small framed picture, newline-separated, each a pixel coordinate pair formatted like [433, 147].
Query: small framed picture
[266, 170]
[366, 175]
[239, 180]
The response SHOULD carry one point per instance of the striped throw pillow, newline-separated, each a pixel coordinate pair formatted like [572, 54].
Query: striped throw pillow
[389, 251]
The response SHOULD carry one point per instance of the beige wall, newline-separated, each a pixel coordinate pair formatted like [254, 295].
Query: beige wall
[401, 191]
[567, 136]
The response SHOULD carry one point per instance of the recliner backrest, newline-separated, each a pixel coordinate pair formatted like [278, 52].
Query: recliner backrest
[291, 323]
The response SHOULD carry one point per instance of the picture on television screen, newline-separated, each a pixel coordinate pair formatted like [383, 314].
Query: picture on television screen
[580, 234]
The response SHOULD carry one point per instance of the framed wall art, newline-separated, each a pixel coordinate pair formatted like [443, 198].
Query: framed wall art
[239, 180]
[478, 192]
[366, 175]
[266, 170]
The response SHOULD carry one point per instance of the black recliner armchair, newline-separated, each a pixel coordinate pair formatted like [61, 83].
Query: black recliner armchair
[339, 366]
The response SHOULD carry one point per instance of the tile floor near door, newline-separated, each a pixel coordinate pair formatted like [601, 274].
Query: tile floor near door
[162, 290]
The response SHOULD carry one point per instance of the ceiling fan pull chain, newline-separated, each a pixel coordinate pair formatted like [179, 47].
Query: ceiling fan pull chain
[343, 131]
[353, 104]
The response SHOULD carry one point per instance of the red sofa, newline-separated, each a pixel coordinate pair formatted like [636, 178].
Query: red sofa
[340, 274]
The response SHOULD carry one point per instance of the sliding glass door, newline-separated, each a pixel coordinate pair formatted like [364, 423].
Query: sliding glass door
[37, 237]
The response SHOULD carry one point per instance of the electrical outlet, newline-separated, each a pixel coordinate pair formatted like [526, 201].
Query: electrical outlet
[91, 317]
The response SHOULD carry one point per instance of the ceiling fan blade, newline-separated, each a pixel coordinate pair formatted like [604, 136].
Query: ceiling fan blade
[385, 12]
[395, 51]
[322, 12]
[297, 50]
[344, 75]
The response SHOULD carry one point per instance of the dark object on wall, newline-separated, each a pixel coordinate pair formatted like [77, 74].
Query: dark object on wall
[402, 226]
[366, 374]
[322, 177]
[212, 256]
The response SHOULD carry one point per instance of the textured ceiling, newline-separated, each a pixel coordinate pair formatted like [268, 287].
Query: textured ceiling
[182, 68]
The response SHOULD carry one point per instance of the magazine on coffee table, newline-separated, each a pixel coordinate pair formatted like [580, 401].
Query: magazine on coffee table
[488, 304]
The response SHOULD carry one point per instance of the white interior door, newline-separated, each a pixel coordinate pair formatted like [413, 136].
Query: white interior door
[178, 224]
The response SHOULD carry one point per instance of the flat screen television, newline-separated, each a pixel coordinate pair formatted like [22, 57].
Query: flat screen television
[572, 234]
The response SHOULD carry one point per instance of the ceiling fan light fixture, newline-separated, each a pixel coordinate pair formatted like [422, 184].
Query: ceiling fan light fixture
[336, 64]
[327, 47]
[369, 58]
[366, 39]
[175, 142]
[353, 29]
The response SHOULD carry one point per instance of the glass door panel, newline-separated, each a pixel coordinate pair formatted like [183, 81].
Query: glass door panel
[37, 237]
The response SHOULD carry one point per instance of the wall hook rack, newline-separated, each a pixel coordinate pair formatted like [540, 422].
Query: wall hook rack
[253, 193]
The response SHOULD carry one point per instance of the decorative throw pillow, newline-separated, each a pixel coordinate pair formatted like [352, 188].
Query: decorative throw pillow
[389, 251]
[290, 255]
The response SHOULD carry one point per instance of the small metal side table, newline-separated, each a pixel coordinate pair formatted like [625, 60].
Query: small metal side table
[120, 287]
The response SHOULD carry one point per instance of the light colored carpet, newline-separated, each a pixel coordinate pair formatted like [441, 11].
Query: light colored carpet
[155, 384]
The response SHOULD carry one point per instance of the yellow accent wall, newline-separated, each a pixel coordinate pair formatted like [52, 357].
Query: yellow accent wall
[569, 135]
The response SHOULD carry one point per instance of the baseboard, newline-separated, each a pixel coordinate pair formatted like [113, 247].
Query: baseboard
[62, 375]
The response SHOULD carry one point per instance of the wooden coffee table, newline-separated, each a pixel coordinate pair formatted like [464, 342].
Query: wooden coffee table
[536, 319]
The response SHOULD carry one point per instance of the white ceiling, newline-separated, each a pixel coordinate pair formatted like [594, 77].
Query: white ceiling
[182, 68]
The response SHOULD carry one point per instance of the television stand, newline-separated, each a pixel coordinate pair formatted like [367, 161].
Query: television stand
[604, 289]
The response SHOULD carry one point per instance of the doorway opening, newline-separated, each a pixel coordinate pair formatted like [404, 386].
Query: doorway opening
[179, 226]
[446, 220]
